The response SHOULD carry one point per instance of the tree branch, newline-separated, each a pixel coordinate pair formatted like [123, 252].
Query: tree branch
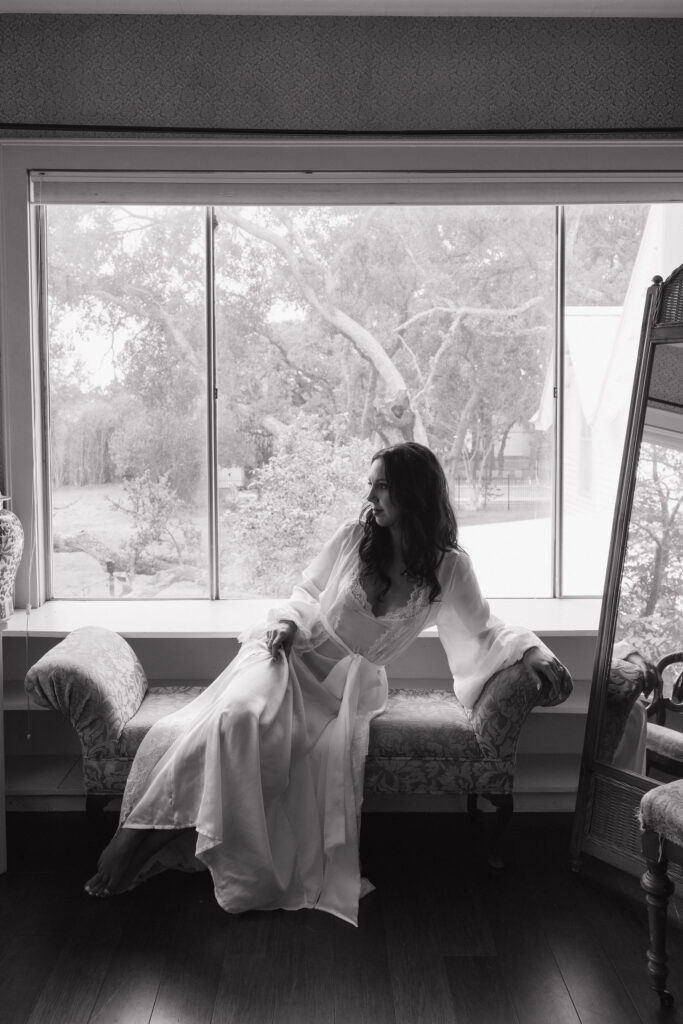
[398, 399]
[478, 311]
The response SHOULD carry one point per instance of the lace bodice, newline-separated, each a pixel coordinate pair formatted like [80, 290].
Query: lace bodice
[379, 638]
[331, 601]
[407, 611]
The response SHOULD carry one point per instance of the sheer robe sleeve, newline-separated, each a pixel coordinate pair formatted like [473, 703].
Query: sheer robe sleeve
[303, 605]
[477, 644]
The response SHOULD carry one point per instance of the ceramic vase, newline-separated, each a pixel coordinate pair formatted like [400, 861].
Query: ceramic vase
[11, 548]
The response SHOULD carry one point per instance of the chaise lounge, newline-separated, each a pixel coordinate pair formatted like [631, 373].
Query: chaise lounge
[425, 742]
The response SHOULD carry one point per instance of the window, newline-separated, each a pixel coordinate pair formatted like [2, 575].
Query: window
[334, 330]
[128, 398]
[188, 469]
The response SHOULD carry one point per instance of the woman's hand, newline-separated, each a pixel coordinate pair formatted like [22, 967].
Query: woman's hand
[545, 668]
[281, 638]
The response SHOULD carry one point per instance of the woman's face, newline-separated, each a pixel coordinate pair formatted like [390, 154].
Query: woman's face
[387, 514]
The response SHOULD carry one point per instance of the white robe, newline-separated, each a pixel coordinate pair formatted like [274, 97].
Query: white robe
[267, 763]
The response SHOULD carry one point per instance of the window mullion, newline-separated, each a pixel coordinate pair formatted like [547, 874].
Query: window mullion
[558, 395]
[211, 396]
[39, 584]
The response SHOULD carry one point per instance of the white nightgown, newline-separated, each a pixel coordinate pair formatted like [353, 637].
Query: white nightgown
[267, 763]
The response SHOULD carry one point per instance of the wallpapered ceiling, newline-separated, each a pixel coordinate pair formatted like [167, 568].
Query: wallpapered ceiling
[341, 74]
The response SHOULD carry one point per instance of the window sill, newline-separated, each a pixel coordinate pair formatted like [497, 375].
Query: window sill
[227, 619]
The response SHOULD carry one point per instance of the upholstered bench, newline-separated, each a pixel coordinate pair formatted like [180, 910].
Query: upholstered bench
[425, 742]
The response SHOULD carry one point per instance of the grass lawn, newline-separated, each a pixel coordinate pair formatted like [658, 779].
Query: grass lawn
[510, 550]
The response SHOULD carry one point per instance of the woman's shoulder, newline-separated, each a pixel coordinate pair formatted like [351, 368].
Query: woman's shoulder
[341, 545]
[349, 533]
[351, 528]
[454, 565]
[453, 558]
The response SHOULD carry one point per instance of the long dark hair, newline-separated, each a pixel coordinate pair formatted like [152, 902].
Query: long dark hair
[418, 486]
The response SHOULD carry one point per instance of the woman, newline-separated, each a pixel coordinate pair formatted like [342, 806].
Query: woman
[260, 778]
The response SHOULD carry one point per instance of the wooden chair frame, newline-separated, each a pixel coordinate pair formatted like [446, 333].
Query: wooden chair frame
[658, 887]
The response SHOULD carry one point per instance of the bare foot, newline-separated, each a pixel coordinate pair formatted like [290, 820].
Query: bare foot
[114, 861]
[124, 858]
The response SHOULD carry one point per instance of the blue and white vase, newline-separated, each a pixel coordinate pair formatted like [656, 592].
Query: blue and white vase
[11, 548]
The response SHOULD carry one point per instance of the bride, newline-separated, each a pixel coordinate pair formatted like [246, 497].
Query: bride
[260, 778]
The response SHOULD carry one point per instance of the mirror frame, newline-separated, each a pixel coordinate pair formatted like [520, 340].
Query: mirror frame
[606, 822]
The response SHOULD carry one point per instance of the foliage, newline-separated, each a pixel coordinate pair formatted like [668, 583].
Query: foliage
[80, 438]
[161, 531]
[650, 606]
[602, 244]
[312, 483]
[147, 439]
[652, 635]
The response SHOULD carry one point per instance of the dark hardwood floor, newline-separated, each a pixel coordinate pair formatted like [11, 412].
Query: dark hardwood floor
[440, 941]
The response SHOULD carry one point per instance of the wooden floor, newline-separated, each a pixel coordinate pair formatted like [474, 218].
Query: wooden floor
[439, 941]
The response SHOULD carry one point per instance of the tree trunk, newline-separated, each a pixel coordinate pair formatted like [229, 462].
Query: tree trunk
[659, 567]
[455, 455]
[399, 418]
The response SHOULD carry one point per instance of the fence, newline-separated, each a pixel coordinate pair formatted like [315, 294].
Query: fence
[500, 492]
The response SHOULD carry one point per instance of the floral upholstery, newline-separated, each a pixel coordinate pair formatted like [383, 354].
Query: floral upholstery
[423, 724]
[160, 701]
[505, 702]
[665, 741]
[661, 811]
[426, 741]
[626, 682]
[105, 769]
[95, 678]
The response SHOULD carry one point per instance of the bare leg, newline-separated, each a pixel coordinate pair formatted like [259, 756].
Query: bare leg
[125, 856]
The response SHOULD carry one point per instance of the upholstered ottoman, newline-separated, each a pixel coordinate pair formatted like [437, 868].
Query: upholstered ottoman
[425, 742]
[664, 749]
[661, 817]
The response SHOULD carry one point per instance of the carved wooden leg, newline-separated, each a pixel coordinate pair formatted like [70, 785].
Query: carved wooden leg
[658, 888]
[504, 804]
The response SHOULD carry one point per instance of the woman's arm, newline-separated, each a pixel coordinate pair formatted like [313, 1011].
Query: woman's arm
[550, 673]
[477, 644]
[300, 612]
[281, 638]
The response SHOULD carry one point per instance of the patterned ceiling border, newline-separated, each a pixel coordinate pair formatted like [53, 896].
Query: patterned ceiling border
[204, 74]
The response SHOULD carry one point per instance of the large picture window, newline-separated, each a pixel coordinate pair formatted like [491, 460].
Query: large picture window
[219, 377]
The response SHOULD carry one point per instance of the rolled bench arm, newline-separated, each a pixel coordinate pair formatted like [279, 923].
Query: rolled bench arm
[506, 702]
[94, 677]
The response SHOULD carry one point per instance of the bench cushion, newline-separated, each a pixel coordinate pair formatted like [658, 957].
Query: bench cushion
[423, 743]
[661, 811]
[423, 723]
[159, 701]
[665, 742]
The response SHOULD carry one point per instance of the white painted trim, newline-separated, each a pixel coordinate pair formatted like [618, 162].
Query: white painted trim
[294, 187]
[631, 167]
[664, 427]
[570, 617]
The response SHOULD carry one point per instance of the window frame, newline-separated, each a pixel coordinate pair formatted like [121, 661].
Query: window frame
[284, 170]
